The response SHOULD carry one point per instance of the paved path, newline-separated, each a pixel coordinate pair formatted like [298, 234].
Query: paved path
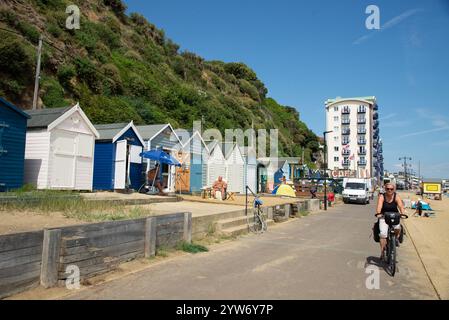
[323, 256]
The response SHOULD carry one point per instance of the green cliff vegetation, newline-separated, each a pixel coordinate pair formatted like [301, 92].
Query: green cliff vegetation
[121, 67]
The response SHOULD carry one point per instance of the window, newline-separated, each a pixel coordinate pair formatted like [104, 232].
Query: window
[336, 108]
[336, 128]
[336, 159]
[336, 149]
[336, 118]
[336, 138]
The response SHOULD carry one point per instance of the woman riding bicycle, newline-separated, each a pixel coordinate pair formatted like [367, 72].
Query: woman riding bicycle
[389, 202]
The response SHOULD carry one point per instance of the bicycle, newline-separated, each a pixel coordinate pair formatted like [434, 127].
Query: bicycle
[389, 254]
[256, 220]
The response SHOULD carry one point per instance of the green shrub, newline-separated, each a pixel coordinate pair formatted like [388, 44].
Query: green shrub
[16, 58]
[29, 31]
[117, 6]
[191, 247]
[54, 30]
[66, 74]
[52, 93]
[249, 89]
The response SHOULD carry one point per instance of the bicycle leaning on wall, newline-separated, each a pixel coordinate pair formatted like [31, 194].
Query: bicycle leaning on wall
[256, 217]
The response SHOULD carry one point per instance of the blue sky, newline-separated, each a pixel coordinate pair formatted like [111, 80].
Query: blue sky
[308, 51]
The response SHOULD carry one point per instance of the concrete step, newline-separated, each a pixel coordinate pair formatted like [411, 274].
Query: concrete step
[242, 229]
[231, 222]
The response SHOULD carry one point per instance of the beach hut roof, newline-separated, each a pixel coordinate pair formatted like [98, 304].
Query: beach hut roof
[149, 132]
[14, 108]
[42, 118]
[114, 131]
[192, 136]
[51, 118]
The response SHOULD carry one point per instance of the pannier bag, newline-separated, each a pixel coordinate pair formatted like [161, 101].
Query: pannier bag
[392, 218]
[376, 232]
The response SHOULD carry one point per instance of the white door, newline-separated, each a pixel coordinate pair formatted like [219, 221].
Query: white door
[120, 165]
[63, 160]
[252, 177]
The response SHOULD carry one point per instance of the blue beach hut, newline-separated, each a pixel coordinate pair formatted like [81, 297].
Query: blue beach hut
[13, 124]
[118, 164]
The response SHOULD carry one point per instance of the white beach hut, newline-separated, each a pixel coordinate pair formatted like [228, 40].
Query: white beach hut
[216, 163]
[59, 150]
[250, 168]
[235, 168]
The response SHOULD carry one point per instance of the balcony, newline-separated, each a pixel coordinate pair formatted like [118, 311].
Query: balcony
[362, 163]
[376, 116]
[345, 111]
[376, 124]
[346, 132]
[361, 110]
[361, 120]
[345, 142]
[361, 142]
[346, 152]
[362, 153]
[346, 121]
[361, 131]
[346, 163]
[376, 107]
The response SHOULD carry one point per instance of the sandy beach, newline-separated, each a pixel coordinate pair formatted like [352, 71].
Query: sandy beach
[431, 238]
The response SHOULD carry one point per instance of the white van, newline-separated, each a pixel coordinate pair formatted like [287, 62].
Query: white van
[357, 191]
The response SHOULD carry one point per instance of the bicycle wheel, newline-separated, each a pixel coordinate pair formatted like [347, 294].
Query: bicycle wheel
[392, 256]
[256, 221]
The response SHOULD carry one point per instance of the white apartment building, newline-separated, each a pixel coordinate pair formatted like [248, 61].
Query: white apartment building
[354, 146]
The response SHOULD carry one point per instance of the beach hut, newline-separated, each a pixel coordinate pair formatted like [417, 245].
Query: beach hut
[235, 168]
[59, 151]
[216, 163]
[13, 124]
[250, 156]
[162, 136]
[273, 170]
[118, 164]
[194, 157]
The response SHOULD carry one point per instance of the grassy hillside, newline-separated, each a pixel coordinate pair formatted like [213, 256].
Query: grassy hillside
[121, 67]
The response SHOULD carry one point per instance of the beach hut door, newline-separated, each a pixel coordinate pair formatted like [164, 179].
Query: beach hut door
[120, 165]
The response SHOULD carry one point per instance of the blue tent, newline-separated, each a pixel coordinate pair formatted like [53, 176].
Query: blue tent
[425, 206]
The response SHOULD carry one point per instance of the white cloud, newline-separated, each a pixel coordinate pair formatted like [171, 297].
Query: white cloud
[419, 133]
[390, 24]
[391, 115]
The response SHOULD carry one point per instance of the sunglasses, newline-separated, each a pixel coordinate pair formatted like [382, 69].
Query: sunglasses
[389, 189]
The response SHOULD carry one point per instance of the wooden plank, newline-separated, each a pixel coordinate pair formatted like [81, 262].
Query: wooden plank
[124, 248]
[14, 262]
[74, 242]
[169, 231]
[18, 286]
[73, 250]
[50, 258]
[116, 239]
[16, 241]
[187, 230]
[97, 227]
[170, 218]
[18, 270]
[81, 264]
[74, 258]
[150, 238]
[13, 254]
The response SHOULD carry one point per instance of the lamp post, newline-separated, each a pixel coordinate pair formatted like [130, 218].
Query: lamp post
[325, 169]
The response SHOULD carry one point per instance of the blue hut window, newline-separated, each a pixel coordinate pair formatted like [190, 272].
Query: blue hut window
[3, 127]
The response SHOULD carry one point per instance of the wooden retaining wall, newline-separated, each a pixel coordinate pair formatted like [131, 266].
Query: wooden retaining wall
[20, 262]
[48, 257]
